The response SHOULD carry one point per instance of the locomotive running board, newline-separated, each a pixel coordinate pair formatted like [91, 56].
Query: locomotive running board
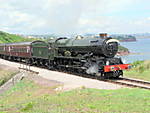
[110, 68]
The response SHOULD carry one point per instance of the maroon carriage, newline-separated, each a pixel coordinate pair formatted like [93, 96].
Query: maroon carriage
[2, 50]
[15, 50]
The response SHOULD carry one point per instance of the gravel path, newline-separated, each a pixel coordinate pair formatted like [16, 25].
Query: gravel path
[69, 81]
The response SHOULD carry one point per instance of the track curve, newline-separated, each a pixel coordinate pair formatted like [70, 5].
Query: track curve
[131, 83]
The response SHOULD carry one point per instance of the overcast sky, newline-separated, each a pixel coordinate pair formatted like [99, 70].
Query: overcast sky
[74, 16]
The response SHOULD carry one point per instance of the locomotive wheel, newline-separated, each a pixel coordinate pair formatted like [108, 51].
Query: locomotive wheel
[113, 74]
[117, 74]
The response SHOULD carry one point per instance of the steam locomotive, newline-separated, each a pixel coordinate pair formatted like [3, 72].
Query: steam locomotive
[92, 55]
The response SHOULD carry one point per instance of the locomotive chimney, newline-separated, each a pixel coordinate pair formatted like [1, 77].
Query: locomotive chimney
[103, 35]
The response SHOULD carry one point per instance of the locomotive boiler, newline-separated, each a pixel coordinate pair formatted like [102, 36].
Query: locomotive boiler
[101, 46]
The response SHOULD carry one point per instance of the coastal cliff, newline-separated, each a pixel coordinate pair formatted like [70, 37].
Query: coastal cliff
[124, 38]
[123, 51]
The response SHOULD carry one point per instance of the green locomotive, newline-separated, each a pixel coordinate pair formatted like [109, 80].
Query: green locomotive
[92, 55]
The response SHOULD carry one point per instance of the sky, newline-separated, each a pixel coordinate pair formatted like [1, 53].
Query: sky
[74, 16]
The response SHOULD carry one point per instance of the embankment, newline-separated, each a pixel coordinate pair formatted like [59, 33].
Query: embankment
[11, 82]
[7, 72]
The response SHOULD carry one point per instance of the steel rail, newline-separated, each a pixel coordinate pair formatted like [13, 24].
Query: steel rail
[130, 83]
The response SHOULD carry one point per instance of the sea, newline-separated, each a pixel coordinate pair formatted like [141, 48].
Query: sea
[140, 50]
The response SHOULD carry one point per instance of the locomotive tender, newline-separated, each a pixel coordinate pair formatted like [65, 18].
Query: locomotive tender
[91, 55]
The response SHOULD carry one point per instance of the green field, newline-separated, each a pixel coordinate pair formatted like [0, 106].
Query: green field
[140, 70]
[29, 97]
[10, 38]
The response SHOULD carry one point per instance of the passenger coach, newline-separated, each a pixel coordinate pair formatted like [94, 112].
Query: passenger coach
[24, 50]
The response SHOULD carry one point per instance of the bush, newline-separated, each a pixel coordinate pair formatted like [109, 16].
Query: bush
[27, 107]
[137, 63]
[141, 66]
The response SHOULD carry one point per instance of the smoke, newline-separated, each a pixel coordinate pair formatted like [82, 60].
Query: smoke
[124, 60]
[92, 69]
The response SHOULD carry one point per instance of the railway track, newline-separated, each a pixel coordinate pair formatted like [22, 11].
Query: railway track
[134, 83]
[128, 82]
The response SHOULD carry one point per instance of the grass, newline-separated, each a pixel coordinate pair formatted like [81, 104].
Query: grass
[5, 75]
[29, 97]
[140, 70]
[20, 97]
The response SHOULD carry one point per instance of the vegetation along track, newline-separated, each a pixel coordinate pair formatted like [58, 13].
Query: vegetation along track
[130, 82]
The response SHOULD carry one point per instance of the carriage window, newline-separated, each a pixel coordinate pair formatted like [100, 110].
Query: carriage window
[9, 48]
